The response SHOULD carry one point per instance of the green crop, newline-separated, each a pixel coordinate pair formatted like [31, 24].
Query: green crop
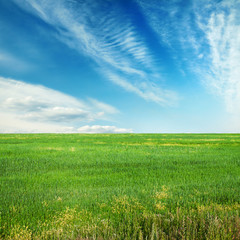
[119, 186]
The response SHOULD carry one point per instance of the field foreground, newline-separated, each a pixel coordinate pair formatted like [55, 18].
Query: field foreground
[119, 186]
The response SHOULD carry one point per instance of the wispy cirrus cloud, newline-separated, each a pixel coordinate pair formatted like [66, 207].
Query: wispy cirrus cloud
[223, 35]
[205, 37]
[27, 107]
[175, 28]
[166, 26]
[146, 89]
[101, 31]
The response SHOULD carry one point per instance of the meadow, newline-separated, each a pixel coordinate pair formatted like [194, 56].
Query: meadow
[119, 186]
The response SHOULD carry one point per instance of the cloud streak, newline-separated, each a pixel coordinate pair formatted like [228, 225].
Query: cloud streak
[147, 90]
[106, 34]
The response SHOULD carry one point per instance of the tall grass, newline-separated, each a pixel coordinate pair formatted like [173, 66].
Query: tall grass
[120, 186]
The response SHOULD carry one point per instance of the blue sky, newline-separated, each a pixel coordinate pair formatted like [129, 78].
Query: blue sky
[119, 66]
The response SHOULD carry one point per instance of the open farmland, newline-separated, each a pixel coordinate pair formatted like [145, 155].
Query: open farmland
[120, 186]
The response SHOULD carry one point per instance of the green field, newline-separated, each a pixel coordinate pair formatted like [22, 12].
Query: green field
[120, 186]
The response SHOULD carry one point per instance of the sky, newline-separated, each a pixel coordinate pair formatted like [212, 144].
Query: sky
[120, 66]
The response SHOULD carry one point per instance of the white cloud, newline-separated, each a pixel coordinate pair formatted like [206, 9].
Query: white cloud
[12, 123]
[103, 129]
[30, 108]
[105, 35]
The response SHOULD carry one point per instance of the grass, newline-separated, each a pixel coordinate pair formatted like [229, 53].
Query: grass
[119, 186]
